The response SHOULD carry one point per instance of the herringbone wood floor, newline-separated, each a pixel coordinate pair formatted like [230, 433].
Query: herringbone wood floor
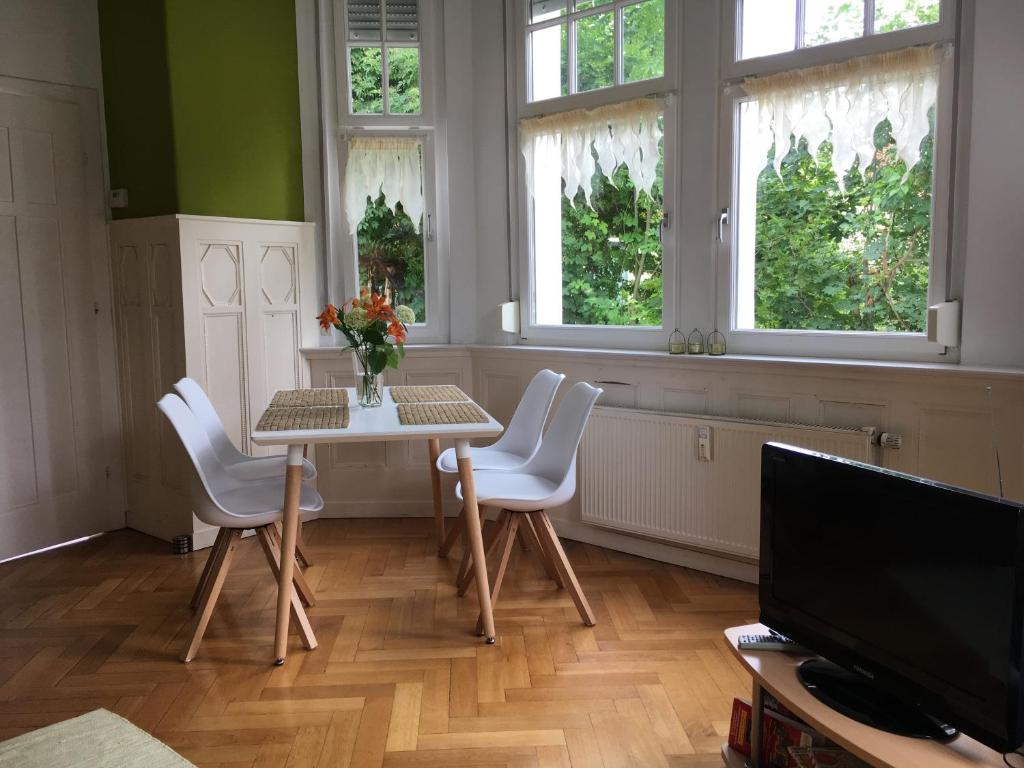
[398, 679]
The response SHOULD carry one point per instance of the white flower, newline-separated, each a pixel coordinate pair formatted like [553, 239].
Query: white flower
[405, 314]
[357, 319]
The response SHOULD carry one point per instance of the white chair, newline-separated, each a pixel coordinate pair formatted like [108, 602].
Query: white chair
[235, 462]
[516, 446]
[545, 481]
[234, 505]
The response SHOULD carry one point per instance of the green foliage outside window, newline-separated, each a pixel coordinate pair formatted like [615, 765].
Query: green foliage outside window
[853, 260]
[391, 256]
[366, 80]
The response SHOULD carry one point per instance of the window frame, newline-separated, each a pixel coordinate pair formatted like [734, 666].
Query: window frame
[664, 89]
[825, 343]
[342, 253]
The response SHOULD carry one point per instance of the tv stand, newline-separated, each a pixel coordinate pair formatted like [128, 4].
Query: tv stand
[778, 674]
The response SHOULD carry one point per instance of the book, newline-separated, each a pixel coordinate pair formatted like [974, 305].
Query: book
[778, 734]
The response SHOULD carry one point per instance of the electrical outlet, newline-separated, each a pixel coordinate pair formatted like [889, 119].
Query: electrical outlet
[703, 443]
[119, 198]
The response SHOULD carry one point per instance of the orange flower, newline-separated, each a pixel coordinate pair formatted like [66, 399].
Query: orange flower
[397, 330]
[377, 307]
[328, 317]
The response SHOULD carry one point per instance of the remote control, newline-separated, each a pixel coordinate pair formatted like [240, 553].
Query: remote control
[771, 642]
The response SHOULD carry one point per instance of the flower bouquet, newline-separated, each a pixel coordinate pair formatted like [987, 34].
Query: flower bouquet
[375, 333]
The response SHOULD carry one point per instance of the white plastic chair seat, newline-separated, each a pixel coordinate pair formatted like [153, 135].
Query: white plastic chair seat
[267, 468]
[483, 458]
[260, 503]
[518, 492]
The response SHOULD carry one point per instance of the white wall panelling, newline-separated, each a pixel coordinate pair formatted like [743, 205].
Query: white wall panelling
[941, 411]
[59, 460]
[228, 302]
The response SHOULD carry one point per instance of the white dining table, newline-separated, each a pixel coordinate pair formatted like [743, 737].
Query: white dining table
[368, 425]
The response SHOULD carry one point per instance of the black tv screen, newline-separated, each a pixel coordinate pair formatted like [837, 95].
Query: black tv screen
[910, 583]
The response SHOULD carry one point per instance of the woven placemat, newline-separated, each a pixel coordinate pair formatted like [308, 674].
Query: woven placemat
[319, 417]
[289, 398]
[439, 393]
[440, 413]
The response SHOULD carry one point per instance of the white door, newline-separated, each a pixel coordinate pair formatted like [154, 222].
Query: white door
[58, 459]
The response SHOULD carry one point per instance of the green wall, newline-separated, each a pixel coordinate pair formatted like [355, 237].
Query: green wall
[219, 132]
[137, 103]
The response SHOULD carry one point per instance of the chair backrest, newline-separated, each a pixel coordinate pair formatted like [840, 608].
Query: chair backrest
[199, 403]
[557, 455]
[523, 434]
[209, 473]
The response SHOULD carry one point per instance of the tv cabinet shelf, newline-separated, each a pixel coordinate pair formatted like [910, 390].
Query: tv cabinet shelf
[775, 672]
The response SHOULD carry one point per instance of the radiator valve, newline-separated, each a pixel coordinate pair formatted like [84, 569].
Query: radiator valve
[892, 440]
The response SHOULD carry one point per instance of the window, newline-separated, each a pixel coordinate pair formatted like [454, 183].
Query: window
[383, 57]
[775, 26]
[385, 206]
[598, 259]
[385, 239]
[597, 183]
[836, 180]
[577, 46]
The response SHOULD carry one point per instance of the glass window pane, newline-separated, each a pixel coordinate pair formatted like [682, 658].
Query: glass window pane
[404, 81]
[366, 71]
[891, 15]
[595, 51]
[768, 26]
[583, 5]
[814, 256]
[543, 10]
[643, 41]
[390, 252]
[549, 62]
[829, 21]
[597, 263]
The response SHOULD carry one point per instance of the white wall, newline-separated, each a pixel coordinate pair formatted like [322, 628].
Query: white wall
[994, 274]
[56, 41]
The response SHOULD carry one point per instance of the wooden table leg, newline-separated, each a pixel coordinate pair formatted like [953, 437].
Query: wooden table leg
[476, 541]
[292, 493]
[434, 446]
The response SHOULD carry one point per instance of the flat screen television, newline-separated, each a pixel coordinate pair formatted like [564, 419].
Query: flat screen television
[913, 592]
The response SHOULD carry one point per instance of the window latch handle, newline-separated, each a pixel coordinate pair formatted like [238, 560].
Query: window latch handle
[429, 233]
[665, 223]
[723, 222]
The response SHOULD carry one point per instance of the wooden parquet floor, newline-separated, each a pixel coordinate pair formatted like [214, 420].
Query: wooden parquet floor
[398, 679]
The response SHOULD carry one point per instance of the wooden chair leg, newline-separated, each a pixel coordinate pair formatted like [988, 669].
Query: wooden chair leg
[306, 593]
[508, 541]
[271, 547]
[210, 594]
[453, 534]
[524, 544]
[301, 550]
[527, 529]
[204, 579]
[549, 538]
[489, 546]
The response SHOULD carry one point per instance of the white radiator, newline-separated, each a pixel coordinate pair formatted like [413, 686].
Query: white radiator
[644, 472]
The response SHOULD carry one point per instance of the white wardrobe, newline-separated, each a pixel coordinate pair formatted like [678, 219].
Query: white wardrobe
[228, 302]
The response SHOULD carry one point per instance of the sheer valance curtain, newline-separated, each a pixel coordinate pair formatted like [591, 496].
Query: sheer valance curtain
[843, 103]
[621, 133]
[387, 165]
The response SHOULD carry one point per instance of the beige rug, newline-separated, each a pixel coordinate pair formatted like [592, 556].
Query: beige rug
[98, 739]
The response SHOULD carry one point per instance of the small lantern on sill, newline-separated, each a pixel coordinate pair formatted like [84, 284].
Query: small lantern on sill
[716, 343]
[695, 342]
[676, 343]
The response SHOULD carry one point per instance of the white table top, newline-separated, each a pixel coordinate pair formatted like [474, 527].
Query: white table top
[370, 425]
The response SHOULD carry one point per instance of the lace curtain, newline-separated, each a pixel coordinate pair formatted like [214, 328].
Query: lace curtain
[844, 102]
[621, 133]
[388, 165]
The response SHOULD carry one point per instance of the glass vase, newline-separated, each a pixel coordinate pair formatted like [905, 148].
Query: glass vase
[371, 389]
